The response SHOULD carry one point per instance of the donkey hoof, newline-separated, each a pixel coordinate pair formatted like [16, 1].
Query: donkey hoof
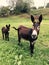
[31, 54]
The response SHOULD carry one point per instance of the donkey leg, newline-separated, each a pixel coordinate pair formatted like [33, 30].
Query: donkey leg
[8, 36]
[31, 51]
[19, 40]
[32, 48]
[3, 36]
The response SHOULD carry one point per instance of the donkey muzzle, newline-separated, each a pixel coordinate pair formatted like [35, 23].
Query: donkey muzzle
[34, 36]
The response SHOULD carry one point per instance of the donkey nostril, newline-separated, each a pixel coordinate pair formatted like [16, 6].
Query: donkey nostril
[34, 36]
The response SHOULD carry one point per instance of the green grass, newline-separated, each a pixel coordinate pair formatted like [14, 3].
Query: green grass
[10, 49]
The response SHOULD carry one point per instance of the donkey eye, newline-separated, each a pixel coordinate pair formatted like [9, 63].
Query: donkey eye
[38, 28]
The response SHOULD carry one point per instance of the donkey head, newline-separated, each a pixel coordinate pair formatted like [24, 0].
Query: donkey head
[8, 27]
[36, 26]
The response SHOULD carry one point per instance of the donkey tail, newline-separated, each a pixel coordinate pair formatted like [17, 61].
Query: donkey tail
[15, 28]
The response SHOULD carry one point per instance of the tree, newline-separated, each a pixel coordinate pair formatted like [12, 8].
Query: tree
[21, 7]
[18, 6]
[30, 2]
[4, 11]
[12, 3]
[47, 6]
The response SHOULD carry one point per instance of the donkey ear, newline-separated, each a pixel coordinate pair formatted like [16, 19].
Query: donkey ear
[40, 18]
[9, 25]
[32, 18]
[6, 25]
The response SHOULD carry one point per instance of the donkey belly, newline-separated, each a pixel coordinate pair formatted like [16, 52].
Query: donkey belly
[26, 37]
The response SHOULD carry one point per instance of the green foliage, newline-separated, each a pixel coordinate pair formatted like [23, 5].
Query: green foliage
[4, 11]
[26, 8]
[18, 59]
[21, 7]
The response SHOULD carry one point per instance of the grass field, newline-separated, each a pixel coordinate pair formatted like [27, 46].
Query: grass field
[9, 50]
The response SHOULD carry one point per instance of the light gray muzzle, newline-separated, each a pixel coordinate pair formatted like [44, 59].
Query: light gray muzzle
[34, 34]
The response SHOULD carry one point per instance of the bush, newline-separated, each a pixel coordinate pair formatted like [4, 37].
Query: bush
[21, 7]
[11, 12]
[26, 8]
[18, 9]
[4, 11]
[33, 8]
[47, 6]
[41, 7]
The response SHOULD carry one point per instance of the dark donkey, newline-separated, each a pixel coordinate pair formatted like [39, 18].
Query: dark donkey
[5, 32]
[30, 34]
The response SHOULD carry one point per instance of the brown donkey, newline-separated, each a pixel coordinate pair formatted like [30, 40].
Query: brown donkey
[5, 32]
[30, 34]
